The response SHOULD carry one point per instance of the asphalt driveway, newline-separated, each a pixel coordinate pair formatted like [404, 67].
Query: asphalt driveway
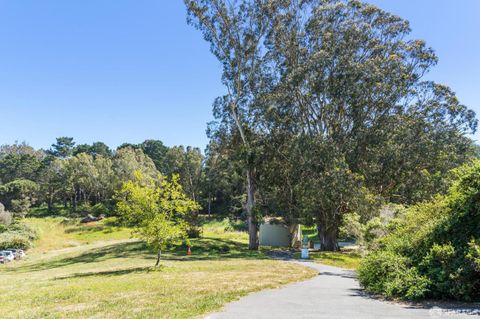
[333, 294]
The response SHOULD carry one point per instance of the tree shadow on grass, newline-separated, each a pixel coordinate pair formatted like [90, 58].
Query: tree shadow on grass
[202, 249]
[109, 273]
[117, 250]
[91, 229]
[209, 248]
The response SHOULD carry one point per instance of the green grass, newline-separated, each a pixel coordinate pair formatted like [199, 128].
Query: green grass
[99, 272]
[42, 211]
[311, 233]
[348, 260]
[58, 233]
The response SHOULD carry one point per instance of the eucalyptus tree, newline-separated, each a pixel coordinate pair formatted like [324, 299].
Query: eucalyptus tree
[127, 161]
[350, 112]
[81, 177]
[187, 163]
[236, 31]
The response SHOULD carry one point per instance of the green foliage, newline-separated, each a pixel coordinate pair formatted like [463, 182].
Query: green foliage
[129, 160]
[473, 254]
[83, 178]
[187, 164]
[14, 166]
[157, 151]
[63, 148]
[326, 107]
[20, 206]
[5, 217]
[101, 209]
[226, 224]
[18, 195]
[157, 211]
[369, 235]
[435, 241]
[387, 273]
[97, 148]
[17, 235]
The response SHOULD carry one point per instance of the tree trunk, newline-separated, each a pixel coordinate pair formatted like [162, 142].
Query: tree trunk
[328, 238]
[252, 226]
[74, 202]
[159, 254]
[50, 202]
[209, 204]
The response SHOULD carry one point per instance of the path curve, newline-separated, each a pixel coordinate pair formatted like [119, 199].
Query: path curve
[334, 294]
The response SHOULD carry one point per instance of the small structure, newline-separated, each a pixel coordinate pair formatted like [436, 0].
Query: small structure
[275, 232]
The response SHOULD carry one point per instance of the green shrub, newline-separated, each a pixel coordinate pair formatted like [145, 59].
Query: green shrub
[17, 235]
[21, 206]
[387, 273]
[433, 252]
[84, 208]
[5, 218]
[14, 240]
[235, 225]
[100, 209]
[23, 230]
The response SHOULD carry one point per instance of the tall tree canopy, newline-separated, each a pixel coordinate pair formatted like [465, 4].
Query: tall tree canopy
[235, 32]
[332, 108]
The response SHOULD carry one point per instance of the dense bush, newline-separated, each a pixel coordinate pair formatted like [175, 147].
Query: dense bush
[385, 272]
[434, 251]
[5, 217]
[17, 235]
[368, 235]
[101, 209]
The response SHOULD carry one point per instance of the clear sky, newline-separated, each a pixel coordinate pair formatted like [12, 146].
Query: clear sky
[128, 70]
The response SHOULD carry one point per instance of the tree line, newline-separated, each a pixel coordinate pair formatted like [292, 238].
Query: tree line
[79, 176]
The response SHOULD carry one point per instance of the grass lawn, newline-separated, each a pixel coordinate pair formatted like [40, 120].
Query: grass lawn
[348, 260]
[98, 271]
[56, 233]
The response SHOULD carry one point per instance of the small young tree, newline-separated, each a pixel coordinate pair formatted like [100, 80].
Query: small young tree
[157, 210]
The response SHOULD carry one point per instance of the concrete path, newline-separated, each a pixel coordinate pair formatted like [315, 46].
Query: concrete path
[334, 294]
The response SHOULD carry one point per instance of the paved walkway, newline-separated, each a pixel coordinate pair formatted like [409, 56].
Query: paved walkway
[334, 294]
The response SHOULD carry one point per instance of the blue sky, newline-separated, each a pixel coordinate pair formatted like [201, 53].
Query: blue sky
[128, 70]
